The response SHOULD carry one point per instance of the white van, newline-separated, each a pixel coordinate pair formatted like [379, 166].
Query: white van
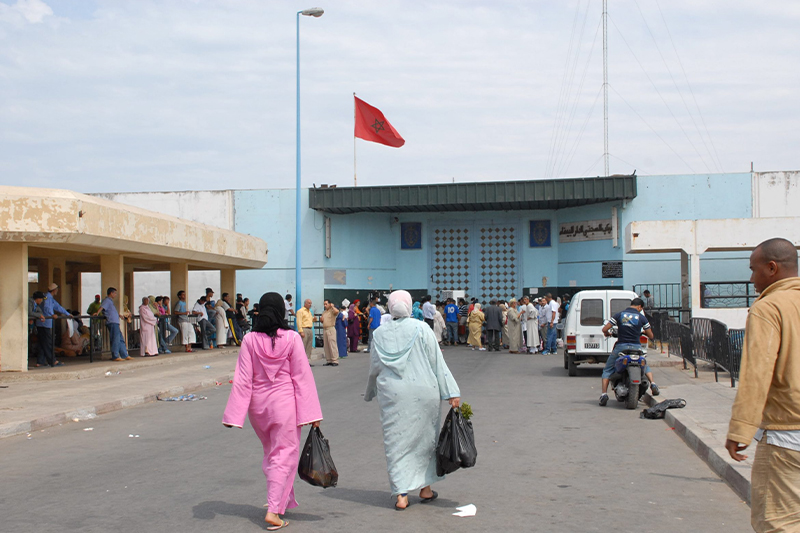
[583, 326]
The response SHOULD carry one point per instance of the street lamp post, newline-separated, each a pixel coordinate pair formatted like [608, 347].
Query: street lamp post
[313, 12]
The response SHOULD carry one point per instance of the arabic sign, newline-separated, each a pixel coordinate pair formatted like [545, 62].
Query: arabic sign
[612, 269]
[590, 230]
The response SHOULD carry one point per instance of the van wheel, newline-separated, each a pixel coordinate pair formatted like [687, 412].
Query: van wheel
[572, 368]
[566, 361]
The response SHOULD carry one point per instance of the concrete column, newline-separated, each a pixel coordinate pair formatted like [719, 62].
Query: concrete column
[72, 290]
[14, 306]
[695, 281]
[227, 283]
[684, 280]
[58, 267]
[112, 274]
[178, 281]
[129, 289]
[45, 270]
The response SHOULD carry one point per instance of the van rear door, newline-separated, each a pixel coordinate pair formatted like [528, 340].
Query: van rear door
[590, 339]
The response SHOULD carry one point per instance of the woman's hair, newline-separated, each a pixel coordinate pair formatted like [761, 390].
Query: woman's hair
[271, 315]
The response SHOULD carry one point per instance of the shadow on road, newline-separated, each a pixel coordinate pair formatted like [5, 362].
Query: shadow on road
[209, 510]
[379, 498]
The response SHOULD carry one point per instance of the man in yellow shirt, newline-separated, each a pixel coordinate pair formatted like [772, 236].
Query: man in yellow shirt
[767, 404]
[305, 326]
[329, 334]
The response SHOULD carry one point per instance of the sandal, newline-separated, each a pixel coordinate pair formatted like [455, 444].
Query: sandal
[282, 525]
[429, 500]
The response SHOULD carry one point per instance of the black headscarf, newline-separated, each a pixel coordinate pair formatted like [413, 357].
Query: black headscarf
[271, 315]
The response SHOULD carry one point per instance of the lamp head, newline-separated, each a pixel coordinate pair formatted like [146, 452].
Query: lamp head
[313, 12]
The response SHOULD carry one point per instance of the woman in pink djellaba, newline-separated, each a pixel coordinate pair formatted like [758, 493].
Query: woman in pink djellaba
[275, 388]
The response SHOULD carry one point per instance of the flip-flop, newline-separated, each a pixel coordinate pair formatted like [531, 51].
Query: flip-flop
[284, 523]
[429, 500]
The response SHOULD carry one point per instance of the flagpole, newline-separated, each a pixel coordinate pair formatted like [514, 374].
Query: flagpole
[355, 178]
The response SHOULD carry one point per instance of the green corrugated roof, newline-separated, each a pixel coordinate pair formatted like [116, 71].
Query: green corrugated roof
[485, 196]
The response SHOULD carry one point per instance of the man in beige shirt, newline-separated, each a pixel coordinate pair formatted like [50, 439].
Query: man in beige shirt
[329, 334]
[767, 404]
[305, 326]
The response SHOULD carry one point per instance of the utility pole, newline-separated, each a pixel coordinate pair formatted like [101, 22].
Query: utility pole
[605, 84]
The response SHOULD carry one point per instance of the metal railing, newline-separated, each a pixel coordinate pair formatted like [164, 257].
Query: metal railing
[666, 297]
[727, 294]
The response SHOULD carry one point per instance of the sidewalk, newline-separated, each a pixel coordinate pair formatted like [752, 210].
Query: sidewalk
[41, 398]
[703, 423]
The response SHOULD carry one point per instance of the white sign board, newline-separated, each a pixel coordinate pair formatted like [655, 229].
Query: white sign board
[589, 230]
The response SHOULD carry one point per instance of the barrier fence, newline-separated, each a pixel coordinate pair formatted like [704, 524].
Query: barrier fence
[702, 339]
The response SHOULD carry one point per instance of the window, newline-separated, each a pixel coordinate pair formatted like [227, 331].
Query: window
[619, 305]
[592, 312]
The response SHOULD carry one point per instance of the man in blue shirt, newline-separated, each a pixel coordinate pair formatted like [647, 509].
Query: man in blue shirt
[51, 309]
[119, 351]
[630, 324]
[374, 320]
[451, 320]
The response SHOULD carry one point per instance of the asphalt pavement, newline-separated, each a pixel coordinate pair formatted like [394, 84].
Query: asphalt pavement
[549, 459]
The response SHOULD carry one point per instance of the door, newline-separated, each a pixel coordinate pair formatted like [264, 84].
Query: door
[591, 317]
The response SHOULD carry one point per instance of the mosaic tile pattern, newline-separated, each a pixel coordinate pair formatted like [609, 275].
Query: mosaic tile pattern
[451, 259]
[498, 264]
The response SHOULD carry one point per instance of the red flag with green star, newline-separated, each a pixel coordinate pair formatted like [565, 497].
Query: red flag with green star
[371, 125]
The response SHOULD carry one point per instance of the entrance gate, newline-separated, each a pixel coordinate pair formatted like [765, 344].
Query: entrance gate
[480, 258]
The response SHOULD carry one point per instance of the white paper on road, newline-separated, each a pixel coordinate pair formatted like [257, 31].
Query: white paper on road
[466, 510]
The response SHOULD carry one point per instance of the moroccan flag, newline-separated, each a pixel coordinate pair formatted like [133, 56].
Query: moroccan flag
[371, 125]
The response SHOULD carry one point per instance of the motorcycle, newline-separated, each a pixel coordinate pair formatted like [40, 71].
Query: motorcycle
[629, 380]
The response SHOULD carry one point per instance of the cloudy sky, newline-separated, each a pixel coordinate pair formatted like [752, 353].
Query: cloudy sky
[137, 95]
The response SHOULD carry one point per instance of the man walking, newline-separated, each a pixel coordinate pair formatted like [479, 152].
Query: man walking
[329, 334]
[305, 327]
[374, 321]
[451, 321]
[428, 310]
[119, 352]
[767, 404]
[494, 323]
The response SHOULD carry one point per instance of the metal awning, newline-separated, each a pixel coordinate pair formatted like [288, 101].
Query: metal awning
[484, 196]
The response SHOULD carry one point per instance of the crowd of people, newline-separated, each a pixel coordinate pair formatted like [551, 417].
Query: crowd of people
[208, 322]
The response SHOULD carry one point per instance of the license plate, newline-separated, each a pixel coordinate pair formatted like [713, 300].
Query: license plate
[591, 345]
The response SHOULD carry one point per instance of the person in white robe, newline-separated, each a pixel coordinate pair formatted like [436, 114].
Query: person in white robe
[438, 326]
[148, 344]
[410, 378]
[532, 326]
[221, 321]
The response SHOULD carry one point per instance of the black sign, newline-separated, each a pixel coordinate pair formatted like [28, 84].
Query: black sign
[612, 269]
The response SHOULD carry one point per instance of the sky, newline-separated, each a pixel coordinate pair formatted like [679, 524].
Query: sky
[118, 96]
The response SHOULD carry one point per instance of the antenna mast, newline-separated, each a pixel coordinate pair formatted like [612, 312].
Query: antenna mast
[605, 84]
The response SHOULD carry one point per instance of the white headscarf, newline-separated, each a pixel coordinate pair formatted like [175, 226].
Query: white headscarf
[400, 304]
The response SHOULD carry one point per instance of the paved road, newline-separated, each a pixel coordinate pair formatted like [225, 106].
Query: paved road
[549, 460]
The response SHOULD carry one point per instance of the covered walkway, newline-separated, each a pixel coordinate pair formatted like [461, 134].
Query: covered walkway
[59, 234]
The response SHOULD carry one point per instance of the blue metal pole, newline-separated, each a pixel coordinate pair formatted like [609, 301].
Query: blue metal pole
[298, 291]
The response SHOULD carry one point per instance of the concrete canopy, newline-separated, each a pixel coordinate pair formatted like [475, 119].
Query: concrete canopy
[86, 225]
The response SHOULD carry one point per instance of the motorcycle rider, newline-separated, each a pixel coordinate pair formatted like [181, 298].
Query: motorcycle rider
[630, 324]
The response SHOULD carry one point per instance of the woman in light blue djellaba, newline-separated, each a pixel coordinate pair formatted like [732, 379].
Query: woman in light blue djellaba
[410, 378]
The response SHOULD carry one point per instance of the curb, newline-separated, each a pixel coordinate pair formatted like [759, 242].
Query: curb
[86, 413]
[718, 464]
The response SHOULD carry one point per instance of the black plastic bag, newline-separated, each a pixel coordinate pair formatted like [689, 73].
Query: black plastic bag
[316, 465]
[658, 410]
[456, 447]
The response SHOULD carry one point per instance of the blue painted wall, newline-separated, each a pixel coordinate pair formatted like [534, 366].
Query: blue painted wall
[367, 245]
